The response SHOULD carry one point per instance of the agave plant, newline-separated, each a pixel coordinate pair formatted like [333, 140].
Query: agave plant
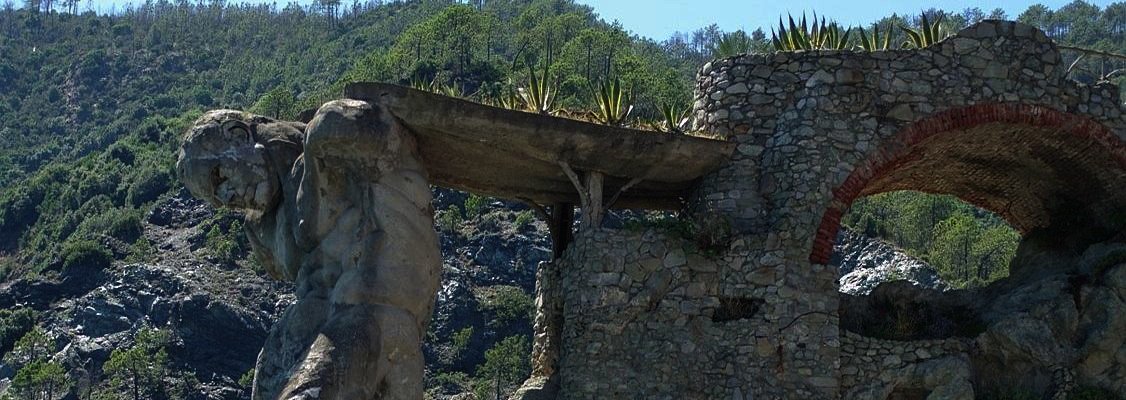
[613, 103]
[452, 89]
[423, 85]
[928, 33]
[731, 44]
[875, 42]
[830, 37]
[539, 95]
[508, 98]
[821, 35]
[676, 118]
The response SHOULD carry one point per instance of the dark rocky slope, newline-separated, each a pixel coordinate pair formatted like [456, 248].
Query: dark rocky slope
[219, 314]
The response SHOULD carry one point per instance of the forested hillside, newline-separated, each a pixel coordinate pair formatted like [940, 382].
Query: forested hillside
[91, 105]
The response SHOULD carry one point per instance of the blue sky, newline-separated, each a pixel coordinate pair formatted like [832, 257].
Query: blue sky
[660, 18]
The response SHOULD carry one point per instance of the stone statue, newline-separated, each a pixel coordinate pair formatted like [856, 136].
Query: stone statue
[342, 207]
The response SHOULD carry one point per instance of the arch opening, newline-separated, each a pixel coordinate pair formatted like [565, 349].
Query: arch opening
[934, 241]
[1056, 177]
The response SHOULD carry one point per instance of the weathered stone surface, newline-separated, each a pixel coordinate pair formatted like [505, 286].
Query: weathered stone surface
[363, 252]
[516, 155]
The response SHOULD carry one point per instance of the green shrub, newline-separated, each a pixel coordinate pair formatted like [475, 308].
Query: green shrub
[661, 221]
[185, 385]
[710, 234]
[41, 379]
[226, 246]
[33, 346]
[148, 187]
[247, 379]
[120, 223]
[451, 382]
[474, 206]
[449, 220]
[141, 251]
[507, 304]
[459, 341]
[138, 371]
[506, 364]
[14, 323]
[523, 218]
[123, 224]
[969, 247]
[85, 253]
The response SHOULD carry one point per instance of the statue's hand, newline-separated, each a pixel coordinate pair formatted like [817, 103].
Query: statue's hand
[346, 142]
[351, 131]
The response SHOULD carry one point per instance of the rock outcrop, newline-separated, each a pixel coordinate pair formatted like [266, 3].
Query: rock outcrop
[866, 263]
[1057, 325]
[217, 317]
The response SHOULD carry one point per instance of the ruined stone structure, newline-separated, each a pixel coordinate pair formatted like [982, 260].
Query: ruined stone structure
[987, 115]
[746, 305]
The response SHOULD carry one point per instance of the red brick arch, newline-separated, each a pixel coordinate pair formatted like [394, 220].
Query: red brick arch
[897, 151]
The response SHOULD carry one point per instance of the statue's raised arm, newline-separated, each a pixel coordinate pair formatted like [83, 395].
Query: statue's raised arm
[345, 212]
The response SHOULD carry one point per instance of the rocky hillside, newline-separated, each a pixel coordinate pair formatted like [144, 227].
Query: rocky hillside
[867, 262]
[217, 313]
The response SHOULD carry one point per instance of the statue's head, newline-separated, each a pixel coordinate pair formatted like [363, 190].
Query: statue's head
[224, 159]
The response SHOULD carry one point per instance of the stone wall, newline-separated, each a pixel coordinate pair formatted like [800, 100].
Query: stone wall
[874, 368]
[987, 115]
[648, 315]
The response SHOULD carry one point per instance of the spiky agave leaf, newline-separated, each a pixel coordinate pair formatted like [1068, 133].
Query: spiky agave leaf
[799, 38]
[936, 29]
[731, 44]
[842, 42]
[873, 42]
[887, 37]
[928, 33]
[817, 33]
[452, 89]
[783, 36]
[613, 104]
[928, 38]
[865, 41]
[915, 38]
[817, 36]
[774, 40]
[539, 95]
[675, 118]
